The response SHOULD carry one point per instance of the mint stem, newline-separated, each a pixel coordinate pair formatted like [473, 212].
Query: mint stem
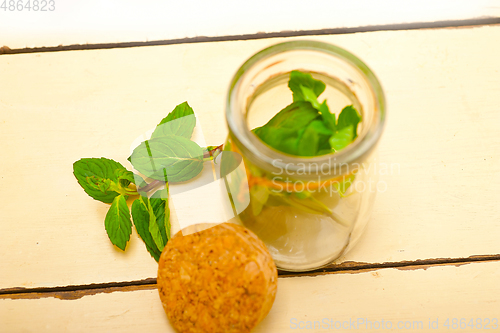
[150, 186]
[210, 151]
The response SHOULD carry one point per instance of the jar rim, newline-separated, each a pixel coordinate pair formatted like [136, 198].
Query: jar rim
[354, 152]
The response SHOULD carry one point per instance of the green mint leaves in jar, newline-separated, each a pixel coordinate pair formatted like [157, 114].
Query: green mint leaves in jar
[307, 127]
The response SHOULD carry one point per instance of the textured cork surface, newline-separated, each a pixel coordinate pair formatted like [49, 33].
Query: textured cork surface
[221, 279]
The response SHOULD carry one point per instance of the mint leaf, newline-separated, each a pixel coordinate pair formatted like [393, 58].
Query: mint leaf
[319, 127]
[342, 138]
[152, 221]
[294, 116]
[95, 176]
[282, 139]
[125, 177]
[308, 143]
[100, 184]
[322, 151]
[349, 117]
[149, 224]
[181, 121]
[283, 130]
[310, 97]
[327, 116]
[313, 134]
[298, 79]
[117, 222]
[154, 227]
[141, 217]
[171, 158]
[159, 203]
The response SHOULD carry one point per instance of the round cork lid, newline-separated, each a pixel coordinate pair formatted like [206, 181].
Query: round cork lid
[221, 279]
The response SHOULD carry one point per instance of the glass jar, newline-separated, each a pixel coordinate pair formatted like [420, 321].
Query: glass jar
[308, 210]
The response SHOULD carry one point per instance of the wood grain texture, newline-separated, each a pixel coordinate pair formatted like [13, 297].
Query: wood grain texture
[401, 297]
[118, 21]
[72, 294]
[442, 139]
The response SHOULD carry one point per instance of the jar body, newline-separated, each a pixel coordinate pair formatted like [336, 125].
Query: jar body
[308, 211]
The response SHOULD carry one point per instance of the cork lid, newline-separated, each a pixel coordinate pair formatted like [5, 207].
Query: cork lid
[221, 279]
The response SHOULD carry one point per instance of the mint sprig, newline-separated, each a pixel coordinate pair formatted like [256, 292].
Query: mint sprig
[169, 156]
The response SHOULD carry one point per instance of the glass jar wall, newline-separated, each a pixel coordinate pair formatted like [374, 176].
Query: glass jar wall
[308, 210]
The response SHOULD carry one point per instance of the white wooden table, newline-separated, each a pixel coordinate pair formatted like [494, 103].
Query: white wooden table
[430, 253]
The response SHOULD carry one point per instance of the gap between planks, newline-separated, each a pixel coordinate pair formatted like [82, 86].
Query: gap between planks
[467, 23]
[73, 292]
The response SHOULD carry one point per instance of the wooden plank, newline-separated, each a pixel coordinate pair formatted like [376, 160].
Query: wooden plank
[442, 91]
[413, 298]
[66, 23]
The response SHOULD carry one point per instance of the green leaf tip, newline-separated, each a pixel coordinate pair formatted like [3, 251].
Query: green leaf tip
[349, 117]
[181, 122]
[298, 78]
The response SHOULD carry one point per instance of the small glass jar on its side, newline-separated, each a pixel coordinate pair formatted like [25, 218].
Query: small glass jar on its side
[308, 210]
